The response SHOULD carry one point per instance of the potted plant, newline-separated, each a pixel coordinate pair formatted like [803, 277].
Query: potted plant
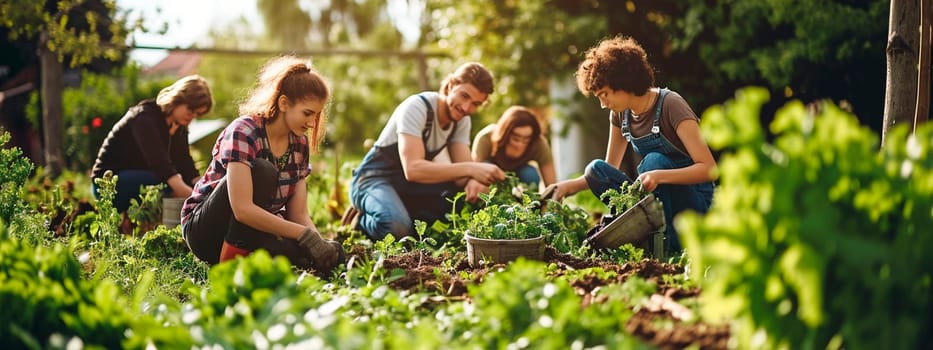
[499, 233]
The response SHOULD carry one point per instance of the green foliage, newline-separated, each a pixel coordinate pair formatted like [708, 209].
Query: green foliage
[816, 240]
[90, 110]
[510, 221]
[628, 195]
[47, 301]
[520, 305]
[83, 30]
[626, 253]
[107, 220]
[147, 209]
[797, 48]
[163, 244]
[14, 171]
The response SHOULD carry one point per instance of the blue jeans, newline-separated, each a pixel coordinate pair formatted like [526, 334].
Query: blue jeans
[601, 176]
[389, 204]
[528, 174]
[128, 183]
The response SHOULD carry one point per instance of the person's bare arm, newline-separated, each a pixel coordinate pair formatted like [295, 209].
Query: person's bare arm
[702, 170]
[179, 188]
[296, 209]
[417, 169]
[240, 190]
[615, 150]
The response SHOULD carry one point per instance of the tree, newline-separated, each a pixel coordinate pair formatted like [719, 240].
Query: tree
[74, 29]
[366, 88]
[704, 49]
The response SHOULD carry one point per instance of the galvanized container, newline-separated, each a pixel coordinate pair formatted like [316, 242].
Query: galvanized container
[501, 251]
[171, 211]
[635, 225]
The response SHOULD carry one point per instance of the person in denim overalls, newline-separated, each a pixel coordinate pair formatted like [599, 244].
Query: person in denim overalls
[398, 181]
[677, 164]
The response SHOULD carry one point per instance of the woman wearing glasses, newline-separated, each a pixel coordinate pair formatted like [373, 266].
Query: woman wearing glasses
[513, 142]
[149, 145]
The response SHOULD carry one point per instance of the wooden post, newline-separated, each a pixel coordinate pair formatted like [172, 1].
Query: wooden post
[423, 72]
[922, 113]
[900, 98]
[51, 87]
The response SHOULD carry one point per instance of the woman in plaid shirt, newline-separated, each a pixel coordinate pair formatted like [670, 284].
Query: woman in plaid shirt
[253, 195]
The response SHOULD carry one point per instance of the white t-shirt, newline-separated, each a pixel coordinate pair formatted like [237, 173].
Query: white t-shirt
[410, 118]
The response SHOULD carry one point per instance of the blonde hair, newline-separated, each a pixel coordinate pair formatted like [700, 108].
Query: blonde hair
[190, 90]
[293, 78]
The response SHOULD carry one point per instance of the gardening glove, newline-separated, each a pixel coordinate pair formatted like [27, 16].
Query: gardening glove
[323, 255]
[341, 254]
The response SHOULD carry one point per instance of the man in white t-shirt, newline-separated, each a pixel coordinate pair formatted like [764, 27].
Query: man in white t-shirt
[397, 182]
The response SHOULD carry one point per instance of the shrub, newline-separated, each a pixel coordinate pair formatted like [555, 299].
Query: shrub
[816, 240]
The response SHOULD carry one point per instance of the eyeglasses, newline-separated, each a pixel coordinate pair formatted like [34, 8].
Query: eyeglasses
[515, 137]
[197, 112]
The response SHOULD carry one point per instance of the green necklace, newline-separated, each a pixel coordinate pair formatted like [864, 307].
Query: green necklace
[282, 160]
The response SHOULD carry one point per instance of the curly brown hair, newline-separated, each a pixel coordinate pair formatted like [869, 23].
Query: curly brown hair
[619, 63]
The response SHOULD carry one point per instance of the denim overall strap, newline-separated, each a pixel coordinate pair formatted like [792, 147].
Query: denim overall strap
[429, 123]
[655, 128]
[626, 131]
[426, 132]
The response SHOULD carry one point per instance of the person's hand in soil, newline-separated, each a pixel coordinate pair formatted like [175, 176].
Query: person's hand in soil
[323, 254]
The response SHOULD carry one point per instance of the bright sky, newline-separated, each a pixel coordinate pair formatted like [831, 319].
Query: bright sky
[190, 20]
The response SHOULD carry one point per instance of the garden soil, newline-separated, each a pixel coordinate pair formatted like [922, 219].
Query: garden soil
[658, 322]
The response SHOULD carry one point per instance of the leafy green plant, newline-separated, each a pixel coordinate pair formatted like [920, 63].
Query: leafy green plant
[628, 195]
[163, 243]
[145, 212]
[107, 221]
[510, 221]
[14, 171]
[63, 304]
[816, 240]
[421, 244]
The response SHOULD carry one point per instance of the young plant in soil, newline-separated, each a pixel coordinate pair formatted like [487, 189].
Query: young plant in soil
[628, 195]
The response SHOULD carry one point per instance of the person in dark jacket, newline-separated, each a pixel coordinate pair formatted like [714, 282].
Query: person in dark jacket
[149, 145]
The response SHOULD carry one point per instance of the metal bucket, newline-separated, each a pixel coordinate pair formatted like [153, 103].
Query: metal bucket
[171, 211]
[501, 251]
[633, 226]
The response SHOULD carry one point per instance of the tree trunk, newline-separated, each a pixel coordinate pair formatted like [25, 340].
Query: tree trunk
[51, 91]
[900, 98]
[923, 81]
